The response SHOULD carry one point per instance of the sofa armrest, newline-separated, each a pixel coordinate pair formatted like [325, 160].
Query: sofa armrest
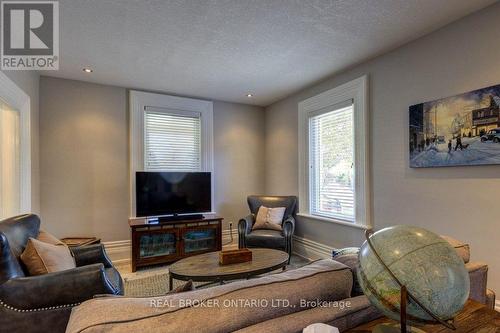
[244, 228]
[59, 289]
[288, 226]
[91, 254]
[245, 224]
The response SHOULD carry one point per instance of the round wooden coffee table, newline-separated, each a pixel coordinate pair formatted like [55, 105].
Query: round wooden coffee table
[206, 268]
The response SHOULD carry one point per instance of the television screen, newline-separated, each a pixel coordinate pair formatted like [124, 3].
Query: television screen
[168, 193]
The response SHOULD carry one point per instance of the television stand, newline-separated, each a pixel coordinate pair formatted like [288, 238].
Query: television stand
[169, 240]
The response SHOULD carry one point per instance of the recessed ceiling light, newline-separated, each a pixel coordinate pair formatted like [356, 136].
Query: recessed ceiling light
[249, 95]
[87, 70]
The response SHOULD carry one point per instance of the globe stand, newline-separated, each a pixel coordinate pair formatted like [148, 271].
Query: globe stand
[401, 327]
[405, 295]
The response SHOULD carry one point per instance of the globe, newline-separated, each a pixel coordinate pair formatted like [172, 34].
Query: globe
[425, 263]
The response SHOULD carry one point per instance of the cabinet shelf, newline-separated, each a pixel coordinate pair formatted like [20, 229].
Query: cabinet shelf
[167, 242]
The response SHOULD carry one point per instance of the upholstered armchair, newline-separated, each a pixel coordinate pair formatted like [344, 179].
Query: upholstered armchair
[43, 303]
[281, 240]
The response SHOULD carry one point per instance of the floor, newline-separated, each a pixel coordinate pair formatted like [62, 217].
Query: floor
[153, 281]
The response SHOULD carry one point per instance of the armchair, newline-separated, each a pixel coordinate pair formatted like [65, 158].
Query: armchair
[43, 303]
[281, 240]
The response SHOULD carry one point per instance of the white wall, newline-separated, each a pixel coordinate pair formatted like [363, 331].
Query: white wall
[84, 158]
[460, 201]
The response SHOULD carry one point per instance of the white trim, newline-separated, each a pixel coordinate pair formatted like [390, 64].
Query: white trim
[16, 98]
[497, 305]
[311, 250]
[138, 100]
[332, 220]
[119, 251]
[356, 90]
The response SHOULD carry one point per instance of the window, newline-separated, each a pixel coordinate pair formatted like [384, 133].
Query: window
[172, 141]
[10, 178]
[15, 151]
[331, 163]
[333, 155]
[169, 133]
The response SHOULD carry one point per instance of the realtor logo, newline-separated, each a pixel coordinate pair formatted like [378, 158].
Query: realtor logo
[30, 35]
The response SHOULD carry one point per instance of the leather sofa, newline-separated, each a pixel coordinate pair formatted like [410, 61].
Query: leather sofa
[43, 303]
[281, 240]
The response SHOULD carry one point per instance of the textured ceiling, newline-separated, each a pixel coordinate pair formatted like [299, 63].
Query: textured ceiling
[223, 49]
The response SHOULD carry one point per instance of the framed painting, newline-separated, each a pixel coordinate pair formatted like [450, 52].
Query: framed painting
[456, 131]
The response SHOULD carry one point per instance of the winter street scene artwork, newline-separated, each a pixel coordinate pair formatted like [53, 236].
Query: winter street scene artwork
[459, 130]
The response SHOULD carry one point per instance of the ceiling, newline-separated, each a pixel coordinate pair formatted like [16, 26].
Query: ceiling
[222, 49]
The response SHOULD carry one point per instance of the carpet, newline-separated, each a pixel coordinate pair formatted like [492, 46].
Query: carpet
[153, 281]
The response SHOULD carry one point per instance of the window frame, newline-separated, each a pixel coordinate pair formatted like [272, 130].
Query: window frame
[17, 99]
[357, 91]
[138, 101]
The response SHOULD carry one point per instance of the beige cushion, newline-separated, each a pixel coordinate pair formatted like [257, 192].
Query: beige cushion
[188, 286]
[45, 237]
[42, 258]
[269, 218]
[463, 249]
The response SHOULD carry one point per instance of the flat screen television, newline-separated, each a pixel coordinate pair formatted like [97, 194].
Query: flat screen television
[173, 193]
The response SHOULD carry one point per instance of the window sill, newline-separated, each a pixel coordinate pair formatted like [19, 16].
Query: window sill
[331, 220]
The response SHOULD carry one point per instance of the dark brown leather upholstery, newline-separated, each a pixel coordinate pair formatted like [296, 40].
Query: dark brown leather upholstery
[43, 303]
[281, 240]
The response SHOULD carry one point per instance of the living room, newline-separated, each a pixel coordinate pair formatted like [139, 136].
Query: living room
[297, 130]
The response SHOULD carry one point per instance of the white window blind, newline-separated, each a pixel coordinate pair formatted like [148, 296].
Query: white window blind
[172, 140]
[331, 163]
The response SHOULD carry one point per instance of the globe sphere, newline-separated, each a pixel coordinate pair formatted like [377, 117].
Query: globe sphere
[422, 261]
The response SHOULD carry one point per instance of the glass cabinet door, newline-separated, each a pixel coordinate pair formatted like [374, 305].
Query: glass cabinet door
[157, 244]
[199, 240]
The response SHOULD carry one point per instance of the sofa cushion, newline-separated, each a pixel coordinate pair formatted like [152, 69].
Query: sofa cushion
[463, 249]
[345, 315]
[228, 307]
[266, 238]
[42, 258]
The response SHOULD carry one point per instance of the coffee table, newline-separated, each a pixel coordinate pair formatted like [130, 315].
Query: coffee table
[474, 318]
[206, 268]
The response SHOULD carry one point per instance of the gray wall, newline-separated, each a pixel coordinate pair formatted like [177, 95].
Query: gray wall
[459, 201]
[84, 158]
[28, 81]
[238, 158]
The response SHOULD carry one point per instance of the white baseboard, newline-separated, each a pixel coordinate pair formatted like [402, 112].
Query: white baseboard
[497, 305]
[119, 251]
[310, 249]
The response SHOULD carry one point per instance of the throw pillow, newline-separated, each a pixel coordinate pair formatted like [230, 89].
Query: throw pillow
[269, 218]
[188, 286]
[45, 237]
[42, 258]
[349, 257]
